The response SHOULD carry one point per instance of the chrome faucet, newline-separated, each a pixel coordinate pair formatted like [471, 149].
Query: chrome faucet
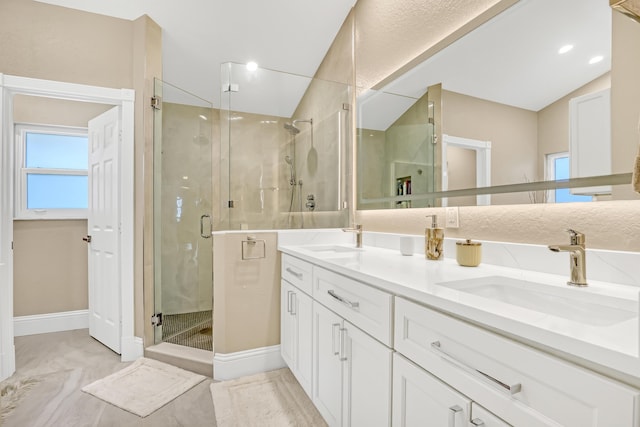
[577, 258]
[357, 228]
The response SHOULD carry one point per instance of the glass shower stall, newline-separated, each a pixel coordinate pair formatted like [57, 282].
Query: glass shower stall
[273, 156]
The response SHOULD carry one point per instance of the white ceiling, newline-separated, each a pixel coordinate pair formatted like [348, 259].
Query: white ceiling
[199, 35]
[512, 59]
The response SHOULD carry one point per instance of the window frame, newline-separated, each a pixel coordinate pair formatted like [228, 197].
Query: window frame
[550, 174]
[21, 173]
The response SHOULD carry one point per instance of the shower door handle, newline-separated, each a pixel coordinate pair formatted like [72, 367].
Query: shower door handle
[202, 233]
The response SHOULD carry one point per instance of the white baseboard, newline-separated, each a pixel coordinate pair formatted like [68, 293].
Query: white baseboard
[131, 348]
[248, 362]
[50, 322]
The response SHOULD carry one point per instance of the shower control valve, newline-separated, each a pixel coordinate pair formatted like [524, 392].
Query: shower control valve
[311, 202]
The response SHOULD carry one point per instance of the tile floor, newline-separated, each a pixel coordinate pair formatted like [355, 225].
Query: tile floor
[62, 363]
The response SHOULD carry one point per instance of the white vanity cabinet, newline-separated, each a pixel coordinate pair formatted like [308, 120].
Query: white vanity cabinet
[518, 384]
[345, 371]
[296, 332]
[351, 373]
[296, 320]
[351, 368]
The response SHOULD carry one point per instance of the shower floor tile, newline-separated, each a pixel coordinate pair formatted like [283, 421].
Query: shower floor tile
[189, 329]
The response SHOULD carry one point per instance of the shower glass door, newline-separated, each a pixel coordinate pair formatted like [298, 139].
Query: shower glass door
[183, 258]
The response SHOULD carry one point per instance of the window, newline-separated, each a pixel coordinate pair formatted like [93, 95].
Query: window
[51, 172]
[558, 168]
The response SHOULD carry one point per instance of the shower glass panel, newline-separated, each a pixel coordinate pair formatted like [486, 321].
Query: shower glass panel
[183, 258]
[396, 151]
[284, 149]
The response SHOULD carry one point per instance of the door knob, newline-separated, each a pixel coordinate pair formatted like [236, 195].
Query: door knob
[87, 239]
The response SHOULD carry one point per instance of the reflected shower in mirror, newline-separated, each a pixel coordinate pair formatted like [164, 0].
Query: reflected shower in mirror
[533, 83]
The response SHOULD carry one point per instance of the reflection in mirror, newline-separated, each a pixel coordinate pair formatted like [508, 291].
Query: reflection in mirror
[534, 82]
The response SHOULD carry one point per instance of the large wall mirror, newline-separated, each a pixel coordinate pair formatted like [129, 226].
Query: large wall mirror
[516, 111]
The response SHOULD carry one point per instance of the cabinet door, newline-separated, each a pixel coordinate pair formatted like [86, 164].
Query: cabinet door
[304, 333]
[287, 325]
[366, 379]
[327, 367]
[484, 418]
[420, 399]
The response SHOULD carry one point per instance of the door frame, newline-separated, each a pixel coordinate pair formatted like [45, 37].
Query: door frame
[483, 164]
[131, 346]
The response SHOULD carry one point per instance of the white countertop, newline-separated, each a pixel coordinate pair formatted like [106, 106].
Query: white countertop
[614, 346]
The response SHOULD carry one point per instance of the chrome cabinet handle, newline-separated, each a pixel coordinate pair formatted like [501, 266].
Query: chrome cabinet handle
[453, 411]
[509, 388]
[333, 338]
[293, 303]
[295, 273]
[289, 302]
[343, 300]
[477, 422]
[202, 233]
[343, 334]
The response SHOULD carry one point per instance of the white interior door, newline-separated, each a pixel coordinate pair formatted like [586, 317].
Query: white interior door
[103, 229]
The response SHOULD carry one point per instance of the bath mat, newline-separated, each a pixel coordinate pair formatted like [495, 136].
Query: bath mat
[144, 386]
[270, 399]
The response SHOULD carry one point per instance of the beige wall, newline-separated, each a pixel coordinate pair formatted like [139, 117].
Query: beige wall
[147, 65]
[388, 41]
[50, 266]
[55, 43]
[246, 310]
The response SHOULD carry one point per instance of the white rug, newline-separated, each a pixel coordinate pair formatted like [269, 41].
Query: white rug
[270, 399]
[144, 386]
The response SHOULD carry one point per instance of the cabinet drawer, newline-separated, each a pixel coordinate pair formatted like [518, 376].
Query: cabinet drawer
[544, 390]
[366, 307]
[297, 272]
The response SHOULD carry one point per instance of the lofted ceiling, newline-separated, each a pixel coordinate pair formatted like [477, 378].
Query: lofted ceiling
[512, 59]
[199, 35]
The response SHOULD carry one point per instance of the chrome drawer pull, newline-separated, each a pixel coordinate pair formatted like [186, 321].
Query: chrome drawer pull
[510, 388]
[477, 422]
[343, 300]
[295, 273]
[453, 411]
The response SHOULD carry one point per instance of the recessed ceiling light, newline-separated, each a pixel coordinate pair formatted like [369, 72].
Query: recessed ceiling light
[596, 59]
[564, 49]
[203, 117]
[252, 66]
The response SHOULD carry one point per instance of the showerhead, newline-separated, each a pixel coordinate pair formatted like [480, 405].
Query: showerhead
[293, 130]
[310, 121]
[287, 159]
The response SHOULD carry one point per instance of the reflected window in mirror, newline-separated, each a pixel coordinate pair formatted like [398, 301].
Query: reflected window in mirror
[557, 165]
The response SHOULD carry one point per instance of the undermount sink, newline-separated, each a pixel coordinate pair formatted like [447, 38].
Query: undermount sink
[576, 304]
[331, 249]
